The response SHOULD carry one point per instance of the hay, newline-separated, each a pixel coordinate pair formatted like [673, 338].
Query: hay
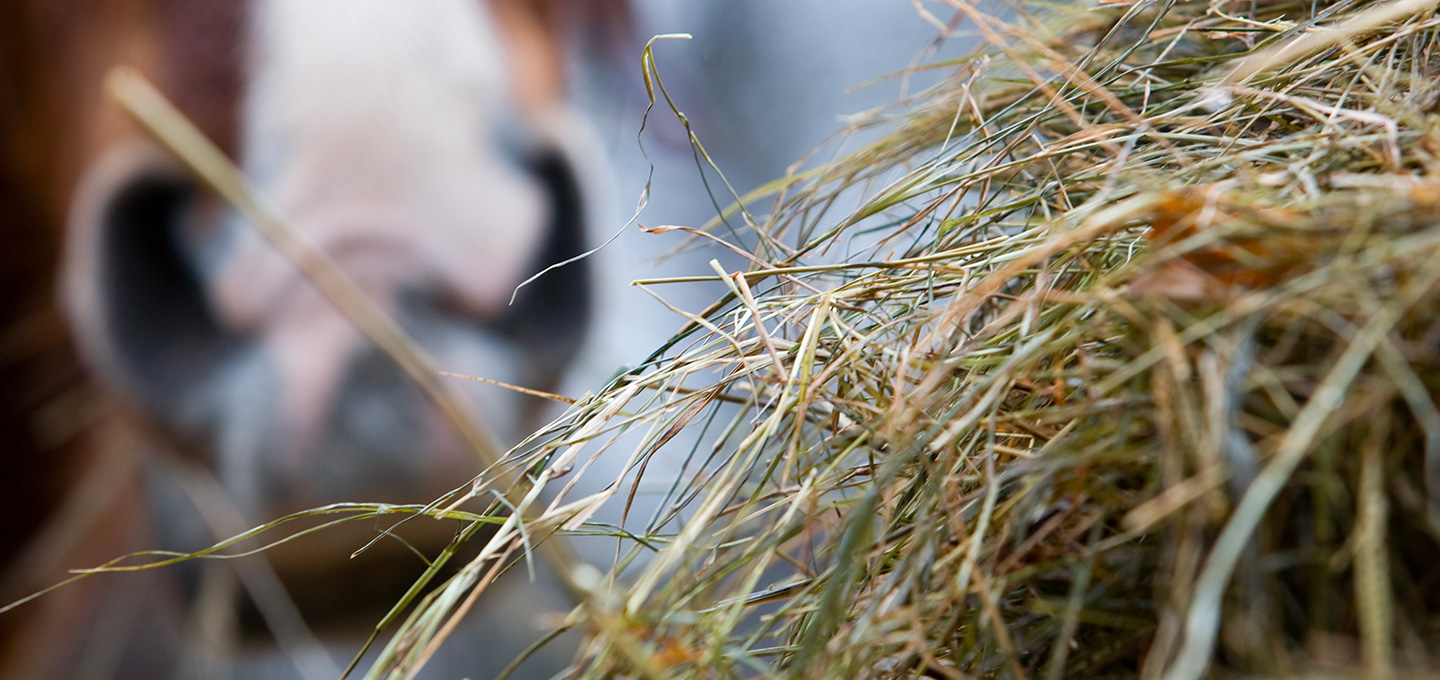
[1124, 367]
[1128, 371]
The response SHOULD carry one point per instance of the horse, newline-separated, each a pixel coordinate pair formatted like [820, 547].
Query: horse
[427, 149]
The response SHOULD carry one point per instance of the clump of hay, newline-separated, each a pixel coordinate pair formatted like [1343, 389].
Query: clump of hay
[1124, 367]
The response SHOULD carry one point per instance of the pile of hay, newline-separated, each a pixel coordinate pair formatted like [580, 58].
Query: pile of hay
[1125, 367]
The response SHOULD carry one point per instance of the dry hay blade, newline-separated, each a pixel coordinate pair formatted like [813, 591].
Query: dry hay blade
[1124, 366]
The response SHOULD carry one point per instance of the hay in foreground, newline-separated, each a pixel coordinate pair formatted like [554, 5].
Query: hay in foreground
[1125, 367]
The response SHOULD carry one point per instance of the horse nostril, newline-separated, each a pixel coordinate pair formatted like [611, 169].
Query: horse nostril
[134, 294]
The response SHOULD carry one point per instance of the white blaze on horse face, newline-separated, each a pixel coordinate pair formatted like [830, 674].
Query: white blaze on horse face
[371, 124]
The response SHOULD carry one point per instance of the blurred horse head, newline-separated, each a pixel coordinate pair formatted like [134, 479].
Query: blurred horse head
[427, 148]
[419, 150]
